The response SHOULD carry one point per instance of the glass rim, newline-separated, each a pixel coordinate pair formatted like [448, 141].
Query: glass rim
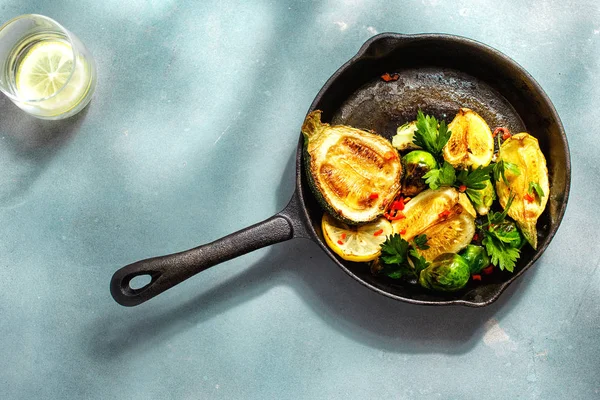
[69, 37]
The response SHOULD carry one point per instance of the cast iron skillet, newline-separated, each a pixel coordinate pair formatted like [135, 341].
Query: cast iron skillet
[438, 74]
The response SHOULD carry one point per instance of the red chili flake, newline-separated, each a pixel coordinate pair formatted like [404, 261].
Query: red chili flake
[398, 204]
[444, 214]
[462, 188]
[390, 155]
[403, 232]
[488, 270]
[379, 232]
[343, 236]
[529, 198]
[399, 215]
[475, 237]
[394, 215]
[340, 242]
[476, 277]
[389, 78]
[503, 130]
[373, 196]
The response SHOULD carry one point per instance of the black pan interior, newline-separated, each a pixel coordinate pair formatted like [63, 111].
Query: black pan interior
[440, 74]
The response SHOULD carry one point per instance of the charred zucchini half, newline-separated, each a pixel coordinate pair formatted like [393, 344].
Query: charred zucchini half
[354, 174]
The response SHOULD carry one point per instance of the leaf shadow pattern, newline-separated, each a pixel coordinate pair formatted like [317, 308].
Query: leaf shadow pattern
[349, 308]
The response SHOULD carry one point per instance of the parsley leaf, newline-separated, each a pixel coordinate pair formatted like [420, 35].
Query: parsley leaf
[399, 259]
[421, 242]
[419, 263]
[428, 136]
[498, 217]
[538, 189]
[501, 239]
[501, 253]
[394, 249]
[444, 176]
[475, 179]
[500, 169]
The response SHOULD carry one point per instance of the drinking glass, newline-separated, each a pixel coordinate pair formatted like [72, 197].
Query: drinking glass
[45, 69]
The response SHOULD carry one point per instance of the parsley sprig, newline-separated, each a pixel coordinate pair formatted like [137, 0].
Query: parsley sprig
[431, 135]
[500, 168]
[473, 180]
[502, 239]
[443, 176]
[534, 186]
[400, 259]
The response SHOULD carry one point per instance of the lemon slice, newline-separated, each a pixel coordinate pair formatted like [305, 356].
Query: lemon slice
[45, 70]
[355, 243]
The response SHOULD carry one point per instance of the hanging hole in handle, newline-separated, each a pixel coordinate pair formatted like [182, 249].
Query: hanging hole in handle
[139, 282]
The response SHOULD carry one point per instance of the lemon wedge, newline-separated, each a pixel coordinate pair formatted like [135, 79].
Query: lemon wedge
[355, 243]
[48, 71]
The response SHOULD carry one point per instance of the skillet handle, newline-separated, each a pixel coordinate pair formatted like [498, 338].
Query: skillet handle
[167, 271]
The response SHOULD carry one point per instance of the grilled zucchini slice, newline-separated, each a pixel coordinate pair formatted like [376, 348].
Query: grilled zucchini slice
[354, 174]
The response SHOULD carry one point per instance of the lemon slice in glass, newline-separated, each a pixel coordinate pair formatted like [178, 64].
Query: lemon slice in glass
[46, 72]
[355, 243]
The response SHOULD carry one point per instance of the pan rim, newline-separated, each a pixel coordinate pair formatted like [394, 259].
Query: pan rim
[500, 57]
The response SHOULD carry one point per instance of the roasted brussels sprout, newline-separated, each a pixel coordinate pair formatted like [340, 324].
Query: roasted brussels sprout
[509, 233]
[476, 257]
[484, 198]
[448, 273]
[416, 163]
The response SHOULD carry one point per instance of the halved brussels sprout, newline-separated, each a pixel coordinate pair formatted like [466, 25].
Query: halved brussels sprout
[416, 164]
[448, 273]
[476, 257]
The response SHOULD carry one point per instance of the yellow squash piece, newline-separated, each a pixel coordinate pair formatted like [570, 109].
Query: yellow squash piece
[524, 151]
[449, 236]
[471, 143]
[428, 208]
[446, 216]
[354, 174]
[355, 243]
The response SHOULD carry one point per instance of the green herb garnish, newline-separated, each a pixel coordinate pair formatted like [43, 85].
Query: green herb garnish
[502, 239]
[421, 242]
[534, 186]
[429, 136]
[399, 259]
[473, 181]
[438, 177]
